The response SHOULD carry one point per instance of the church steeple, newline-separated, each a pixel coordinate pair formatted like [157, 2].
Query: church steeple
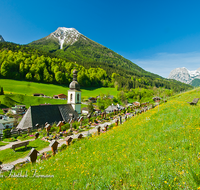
[74, 94]
[74, 85]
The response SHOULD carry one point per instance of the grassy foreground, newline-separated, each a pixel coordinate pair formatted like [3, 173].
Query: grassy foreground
[158, 149]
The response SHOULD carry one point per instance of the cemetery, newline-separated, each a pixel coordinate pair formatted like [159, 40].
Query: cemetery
[145, 144]
[66, 131]
[56, 131]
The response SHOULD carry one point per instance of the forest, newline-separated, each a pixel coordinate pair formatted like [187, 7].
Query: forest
[22, 62]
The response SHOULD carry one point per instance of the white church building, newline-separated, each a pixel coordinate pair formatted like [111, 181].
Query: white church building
[74, 94]
[41, 114]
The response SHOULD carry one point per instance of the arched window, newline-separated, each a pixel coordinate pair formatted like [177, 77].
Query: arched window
[71, 96]
[77, 97]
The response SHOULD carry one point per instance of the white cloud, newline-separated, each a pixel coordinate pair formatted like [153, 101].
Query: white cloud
[163, 63]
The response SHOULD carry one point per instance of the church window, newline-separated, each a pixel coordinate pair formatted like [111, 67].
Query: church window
[77, 97]
[71, 97]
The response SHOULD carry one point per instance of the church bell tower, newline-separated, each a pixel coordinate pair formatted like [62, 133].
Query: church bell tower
[74, 94]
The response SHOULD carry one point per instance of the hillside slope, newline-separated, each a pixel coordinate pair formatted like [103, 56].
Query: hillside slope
[25, 63]
[158, 149]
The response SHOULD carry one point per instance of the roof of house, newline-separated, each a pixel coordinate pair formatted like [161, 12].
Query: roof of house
[1, 126]
[46, 113]
[7, 120]
[111, 108]
[62, 94]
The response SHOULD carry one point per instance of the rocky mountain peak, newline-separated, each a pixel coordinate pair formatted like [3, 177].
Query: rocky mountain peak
[184, 75]
[65, 35]
[1, 39]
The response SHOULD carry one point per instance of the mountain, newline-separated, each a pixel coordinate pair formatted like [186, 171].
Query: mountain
[70, 44]
[184, 75]
[26, 63]
[1, 39]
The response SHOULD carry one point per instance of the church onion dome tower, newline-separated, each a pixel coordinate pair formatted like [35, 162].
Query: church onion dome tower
[74, 85]
[74, 94]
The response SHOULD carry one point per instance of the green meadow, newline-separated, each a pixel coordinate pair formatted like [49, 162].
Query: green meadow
[9, 100]
[158, 149]
[20, 93]
[29, 88]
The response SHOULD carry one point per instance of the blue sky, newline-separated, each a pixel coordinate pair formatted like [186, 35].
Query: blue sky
[159, 36]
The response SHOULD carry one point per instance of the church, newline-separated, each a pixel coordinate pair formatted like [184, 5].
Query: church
[54, 113]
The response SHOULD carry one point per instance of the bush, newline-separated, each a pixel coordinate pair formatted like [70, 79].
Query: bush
[75, 125]
[65, 127]
[6, 133]
[53, 129]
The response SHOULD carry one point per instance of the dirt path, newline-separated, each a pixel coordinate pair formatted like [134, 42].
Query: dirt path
[11, 143]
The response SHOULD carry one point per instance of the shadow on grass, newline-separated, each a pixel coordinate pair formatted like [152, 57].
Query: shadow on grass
[196, 177]
[24, 149]
[3, 106]
[92, 88]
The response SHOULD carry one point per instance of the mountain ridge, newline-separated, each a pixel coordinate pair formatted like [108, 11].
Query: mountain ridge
[81, 49]
[109, 70]
[184, 75]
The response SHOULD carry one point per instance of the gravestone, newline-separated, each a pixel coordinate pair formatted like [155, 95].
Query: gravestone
[33, 155]
[71, 115]
[36, 135]
[80, 120]
[105, 127]
[125, 117]
[60, 124]
[116, 122]
[68, 140]
[37, 126]
[104, 114]
[120, 119]
[29, 129]
[47, 127]
[54, 146]
[98, 130]
[89, 116]
[80, 136]
[18, 131]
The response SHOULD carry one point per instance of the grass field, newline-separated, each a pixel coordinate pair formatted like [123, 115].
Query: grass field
[158, 149]
[8, 155]
[29, 88]
[20, 93]
[9, 100]
[3, 143]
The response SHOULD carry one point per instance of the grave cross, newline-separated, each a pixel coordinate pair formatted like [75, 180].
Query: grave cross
[33, 155]
[68, 140]
[54, 146]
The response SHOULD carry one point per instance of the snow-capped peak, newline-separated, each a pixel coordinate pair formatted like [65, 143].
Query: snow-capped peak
[194, 73]
[184, 75]
[66, 35]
